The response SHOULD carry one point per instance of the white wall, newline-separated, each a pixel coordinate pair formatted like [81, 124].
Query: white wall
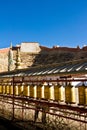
[32, 47]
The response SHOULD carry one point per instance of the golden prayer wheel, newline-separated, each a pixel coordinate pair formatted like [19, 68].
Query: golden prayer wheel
[57, 92]
[35, 91]
[31, 90]
[11, 89]
[39, 93]
[16, 90]
[81, 92]
[51, 93]
[20, 89]
[42, 91]
[68, 93]
[7, 89]
[1, 89]
[26, 90]
[61, 93]
[85, 95]
[4, 88]
[47, 92]
[73, 94]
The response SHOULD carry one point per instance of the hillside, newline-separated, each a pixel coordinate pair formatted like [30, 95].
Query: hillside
[59, 55]
[44, 57]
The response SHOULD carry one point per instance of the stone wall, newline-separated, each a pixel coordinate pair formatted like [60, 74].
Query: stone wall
[4, 59]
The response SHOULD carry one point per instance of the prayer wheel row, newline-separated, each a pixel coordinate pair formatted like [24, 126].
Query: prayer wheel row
[67, 94]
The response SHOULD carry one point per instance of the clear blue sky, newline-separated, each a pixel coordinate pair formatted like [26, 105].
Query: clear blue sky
[49, 22]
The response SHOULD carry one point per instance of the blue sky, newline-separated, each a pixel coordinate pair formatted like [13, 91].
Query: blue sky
[49, 22]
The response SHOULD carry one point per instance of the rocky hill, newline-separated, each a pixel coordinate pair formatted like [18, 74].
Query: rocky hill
[59, 55]
[44, 57]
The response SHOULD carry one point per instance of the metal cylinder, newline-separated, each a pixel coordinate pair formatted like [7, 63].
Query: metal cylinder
[1, 89]
[39, 91]
[7, 89]
[61, 93]
[20, 90]
[81, 92]
[35, 91]
[47, 92]
[56, 92]
[68, 96]
[16, 90]
[85, 95]
[73, 94]
[4, 89]
[51, 92]
[31, 90]
[11, 89]
[26, 90]
[42, 92]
